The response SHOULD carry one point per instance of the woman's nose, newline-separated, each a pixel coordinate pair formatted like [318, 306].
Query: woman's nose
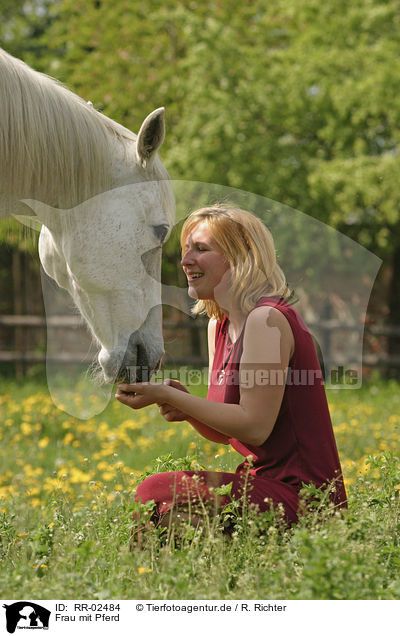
[187, 258]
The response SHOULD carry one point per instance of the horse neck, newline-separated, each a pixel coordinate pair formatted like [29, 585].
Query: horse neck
[58, 149]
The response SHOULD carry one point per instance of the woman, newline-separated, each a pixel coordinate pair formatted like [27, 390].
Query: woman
[266, 395]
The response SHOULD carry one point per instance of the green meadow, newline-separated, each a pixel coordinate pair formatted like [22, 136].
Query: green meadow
[67, 498]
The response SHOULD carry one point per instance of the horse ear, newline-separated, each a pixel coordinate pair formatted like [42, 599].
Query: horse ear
[45, 214]
[150, 137]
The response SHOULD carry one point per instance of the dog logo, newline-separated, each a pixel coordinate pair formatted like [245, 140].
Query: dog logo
[26, 615]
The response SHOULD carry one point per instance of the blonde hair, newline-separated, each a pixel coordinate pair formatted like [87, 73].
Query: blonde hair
[250, 251]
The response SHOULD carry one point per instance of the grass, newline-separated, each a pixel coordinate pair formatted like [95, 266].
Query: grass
[67, 497]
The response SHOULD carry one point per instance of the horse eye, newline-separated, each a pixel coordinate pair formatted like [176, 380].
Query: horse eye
[161, 232]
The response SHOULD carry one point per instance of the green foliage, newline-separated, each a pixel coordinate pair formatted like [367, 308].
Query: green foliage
[169, 463]
[296, 101]
[63, 553]
[22, 23]
[388, 466]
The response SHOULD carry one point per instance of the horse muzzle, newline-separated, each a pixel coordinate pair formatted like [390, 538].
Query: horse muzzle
[136, 364]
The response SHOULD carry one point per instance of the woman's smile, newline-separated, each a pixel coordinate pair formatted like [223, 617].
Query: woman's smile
[194, 278]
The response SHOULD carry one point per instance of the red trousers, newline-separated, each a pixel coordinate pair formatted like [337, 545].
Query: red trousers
[196, 487]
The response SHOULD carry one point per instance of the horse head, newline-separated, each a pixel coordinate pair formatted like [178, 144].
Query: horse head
[106, 252]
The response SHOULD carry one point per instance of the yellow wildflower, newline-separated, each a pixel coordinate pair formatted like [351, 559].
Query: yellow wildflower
[108, 475]
[42, 443]
[78, 476]
[68, 439]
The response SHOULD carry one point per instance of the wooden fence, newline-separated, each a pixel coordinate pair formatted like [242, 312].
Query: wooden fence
[186, 341]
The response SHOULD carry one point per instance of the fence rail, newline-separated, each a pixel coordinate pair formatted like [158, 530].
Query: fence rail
[22, 355]
[327, 328]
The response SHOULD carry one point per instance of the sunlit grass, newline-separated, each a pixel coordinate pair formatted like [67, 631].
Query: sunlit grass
[67, 491]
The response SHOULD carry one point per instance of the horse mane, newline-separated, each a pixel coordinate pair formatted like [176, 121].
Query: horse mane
[54, 147]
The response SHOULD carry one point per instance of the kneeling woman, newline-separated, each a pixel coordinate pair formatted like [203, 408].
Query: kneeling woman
[259, 348]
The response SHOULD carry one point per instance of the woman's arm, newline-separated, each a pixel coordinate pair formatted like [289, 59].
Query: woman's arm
[172, 414]
[208, 432]
[267, 348]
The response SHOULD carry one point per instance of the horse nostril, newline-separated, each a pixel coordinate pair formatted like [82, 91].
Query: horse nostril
[135, 365]
[141, 357]
[142, 370]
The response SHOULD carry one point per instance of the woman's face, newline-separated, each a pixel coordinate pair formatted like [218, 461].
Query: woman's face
[205, 266]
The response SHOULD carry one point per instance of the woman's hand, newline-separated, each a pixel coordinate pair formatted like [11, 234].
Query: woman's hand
[171, 413]
[139, 395]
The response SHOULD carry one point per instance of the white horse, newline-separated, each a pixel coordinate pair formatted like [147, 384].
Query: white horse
[102, 198]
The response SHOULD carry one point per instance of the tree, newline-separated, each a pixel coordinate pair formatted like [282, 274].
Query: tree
[284, 98]
[295, 100]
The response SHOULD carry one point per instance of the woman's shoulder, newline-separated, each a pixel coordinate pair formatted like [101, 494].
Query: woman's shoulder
[268, 317]
[276, 310]
[280, 303]
[262, 313]
[285, 308]
[267, 337]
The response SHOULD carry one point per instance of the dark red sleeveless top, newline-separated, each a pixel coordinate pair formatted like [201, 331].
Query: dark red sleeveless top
[301, 446]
